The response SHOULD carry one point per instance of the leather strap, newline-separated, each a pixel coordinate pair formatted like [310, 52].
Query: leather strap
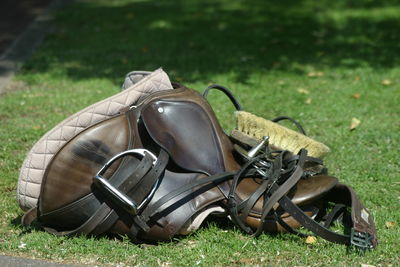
[363, 232]
[29, 216]
[311, 224]
[135, 177]
[362, 225]
[225, 90]
[142, 188]
[88, 226]
[337, 211]
[156, 207]
[362, 220]
[269, 185]
[298, 125]
[232, 203]
[280, 191]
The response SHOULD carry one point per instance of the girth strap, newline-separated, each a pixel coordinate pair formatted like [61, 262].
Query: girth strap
[156, 207]
[363, 233]
[311, 224]
[88, 226]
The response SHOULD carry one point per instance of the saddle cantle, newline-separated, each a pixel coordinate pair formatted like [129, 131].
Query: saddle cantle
[160, 168]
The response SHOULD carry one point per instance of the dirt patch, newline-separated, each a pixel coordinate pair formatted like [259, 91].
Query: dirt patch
[14, 86]
[15, 16]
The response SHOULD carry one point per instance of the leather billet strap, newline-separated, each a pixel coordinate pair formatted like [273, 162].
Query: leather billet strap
[290, 229]
[143, 188]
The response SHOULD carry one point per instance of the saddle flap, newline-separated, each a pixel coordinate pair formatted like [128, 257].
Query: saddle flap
[69, 175]
[185, 130]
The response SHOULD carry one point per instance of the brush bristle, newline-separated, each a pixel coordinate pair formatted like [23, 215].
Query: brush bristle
[279, 136]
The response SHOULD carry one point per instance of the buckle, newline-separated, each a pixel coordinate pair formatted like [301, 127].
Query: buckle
[116, 195]
[361, 240]
[254, 151]
[261, 171]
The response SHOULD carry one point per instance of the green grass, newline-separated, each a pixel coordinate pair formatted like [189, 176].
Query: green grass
[264, 51]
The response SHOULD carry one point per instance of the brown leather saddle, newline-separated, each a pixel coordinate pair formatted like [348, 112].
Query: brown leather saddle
[157, 170]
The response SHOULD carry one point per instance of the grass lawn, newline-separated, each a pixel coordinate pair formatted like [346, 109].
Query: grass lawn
[321, 62]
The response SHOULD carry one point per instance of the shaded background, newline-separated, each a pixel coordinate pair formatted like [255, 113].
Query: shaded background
[15, 16]
[200, 38]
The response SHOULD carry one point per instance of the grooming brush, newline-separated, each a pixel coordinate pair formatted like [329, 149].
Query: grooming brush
[250, 129]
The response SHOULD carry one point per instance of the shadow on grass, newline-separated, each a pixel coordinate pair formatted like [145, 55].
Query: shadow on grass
[198, 39]
[17, 222]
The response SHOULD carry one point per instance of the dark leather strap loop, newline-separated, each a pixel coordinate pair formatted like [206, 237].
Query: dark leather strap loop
[225, 90]
[337, 210]
[143, 167]
[298, 125]
[287, 226]
[29, 216]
